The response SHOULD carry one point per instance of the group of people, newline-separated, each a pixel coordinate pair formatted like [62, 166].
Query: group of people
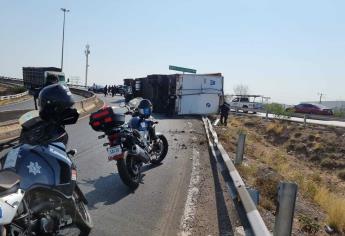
[111, 89]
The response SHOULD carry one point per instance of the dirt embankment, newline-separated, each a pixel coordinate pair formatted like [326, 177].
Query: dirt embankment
[6, 90]
[10, 89]
[313, 157]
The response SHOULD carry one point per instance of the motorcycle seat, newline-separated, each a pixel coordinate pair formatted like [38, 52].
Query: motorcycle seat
[8, 180]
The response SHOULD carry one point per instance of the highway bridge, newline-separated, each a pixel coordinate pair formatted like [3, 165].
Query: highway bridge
[158, 205]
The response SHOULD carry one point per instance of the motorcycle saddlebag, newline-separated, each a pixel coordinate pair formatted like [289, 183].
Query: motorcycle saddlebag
[105, 119]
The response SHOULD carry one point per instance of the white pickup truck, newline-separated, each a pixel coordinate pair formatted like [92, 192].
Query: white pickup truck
[238, 102]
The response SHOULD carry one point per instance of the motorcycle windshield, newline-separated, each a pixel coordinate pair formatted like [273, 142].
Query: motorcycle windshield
[134, 102]
[29, 117]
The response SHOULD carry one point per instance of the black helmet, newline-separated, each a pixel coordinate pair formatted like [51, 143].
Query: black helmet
[55, 102]
[145, 108]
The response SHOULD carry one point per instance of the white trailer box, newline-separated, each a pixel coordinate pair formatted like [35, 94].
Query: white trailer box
[198, 94]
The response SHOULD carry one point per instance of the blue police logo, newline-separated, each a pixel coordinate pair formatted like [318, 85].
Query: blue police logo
[212, 82]
[208, 104]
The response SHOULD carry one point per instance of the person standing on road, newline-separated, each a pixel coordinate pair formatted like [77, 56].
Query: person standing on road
[105, 90]
[224, 113]
[113, 90]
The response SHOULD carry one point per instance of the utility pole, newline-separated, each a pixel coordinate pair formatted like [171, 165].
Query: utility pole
[87, 53]
[321, 95]
[63, 34]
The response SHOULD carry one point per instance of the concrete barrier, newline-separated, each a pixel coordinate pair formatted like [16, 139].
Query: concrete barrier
[10, 118]
[14, 96]
[81, 92]
[12, 114]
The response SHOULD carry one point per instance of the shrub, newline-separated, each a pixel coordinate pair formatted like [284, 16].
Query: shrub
[275, 128]
[334, 206]
[328, 163]
[278, 110]
[341, 174]
[18, 89]
[339, 112]
[308, 225]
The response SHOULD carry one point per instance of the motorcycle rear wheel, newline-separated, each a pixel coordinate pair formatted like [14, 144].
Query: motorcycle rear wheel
[129, 171]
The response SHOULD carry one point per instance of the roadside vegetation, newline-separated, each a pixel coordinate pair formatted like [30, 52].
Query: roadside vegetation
[6, 90]
[313, 157]
[11, 90]
[278, 110]
[339, 112]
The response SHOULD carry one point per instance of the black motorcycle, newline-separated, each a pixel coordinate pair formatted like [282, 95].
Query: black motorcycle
[39, 194]
[130, 145]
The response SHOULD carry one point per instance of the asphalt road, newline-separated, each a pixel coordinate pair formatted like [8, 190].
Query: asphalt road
[29, 104]
[156, 207]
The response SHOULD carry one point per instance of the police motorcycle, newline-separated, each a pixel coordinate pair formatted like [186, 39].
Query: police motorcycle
[39, 194]
[130, 144]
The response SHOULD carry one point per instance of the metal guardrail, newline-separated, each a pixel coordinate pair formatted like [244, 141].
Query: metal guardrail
[251, 111]
[257, 225]
[249, 215]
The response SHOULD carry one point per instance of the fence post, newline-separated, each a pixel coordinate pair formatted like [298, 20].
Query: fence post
[287, 193]
[240, 148]
[305, 121]
[266, 115]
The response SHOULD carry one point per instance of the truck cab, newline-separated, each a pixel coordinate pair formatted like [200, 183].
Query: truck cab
[244, 102]
[35, 78]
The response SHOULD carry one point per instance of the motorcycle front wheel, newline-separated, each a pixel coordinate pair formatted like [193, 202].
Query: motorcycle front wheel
[160, 149]
[82, 216]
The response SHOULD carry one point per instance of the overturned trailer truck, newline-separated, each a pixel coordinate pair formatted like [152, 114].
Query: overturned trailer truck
[180, 94]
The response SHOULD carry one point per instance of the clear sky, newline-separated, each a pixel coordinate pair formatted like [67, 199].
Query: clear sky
[288, 50]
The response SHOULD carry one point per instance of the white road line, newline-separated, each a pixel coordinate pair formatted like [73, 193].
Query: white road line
[193, 191]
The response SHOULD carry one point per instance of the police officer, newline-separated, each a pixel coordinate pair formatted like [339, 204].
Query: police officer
[224, 113]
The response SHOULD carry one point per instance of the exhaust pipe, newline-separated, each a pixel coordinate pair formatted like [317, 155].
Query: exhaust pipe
[140, 153]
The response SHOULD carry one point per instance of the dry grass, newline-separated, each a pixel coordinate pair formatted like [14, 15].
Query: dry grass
[319, 147]
[341, 174]
[275, 128]
[334, 206]
[308, 224]
[311, 184]
[247, 170]
[14, 100]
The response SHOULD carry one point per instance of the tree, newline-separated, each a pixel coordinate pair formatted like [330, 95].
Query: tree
[241, 89]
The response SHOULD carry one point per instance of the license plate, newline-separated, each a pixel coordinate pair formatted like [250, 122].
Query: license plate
[114, 151]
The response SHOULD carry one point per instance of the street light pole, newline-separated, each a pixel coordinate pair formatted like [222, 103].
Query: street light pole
[321, 95]
[63, 34]
[87, 53]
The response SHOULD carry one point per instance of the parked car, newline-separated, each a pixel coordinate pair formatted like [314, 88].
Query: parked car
[311, 108]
